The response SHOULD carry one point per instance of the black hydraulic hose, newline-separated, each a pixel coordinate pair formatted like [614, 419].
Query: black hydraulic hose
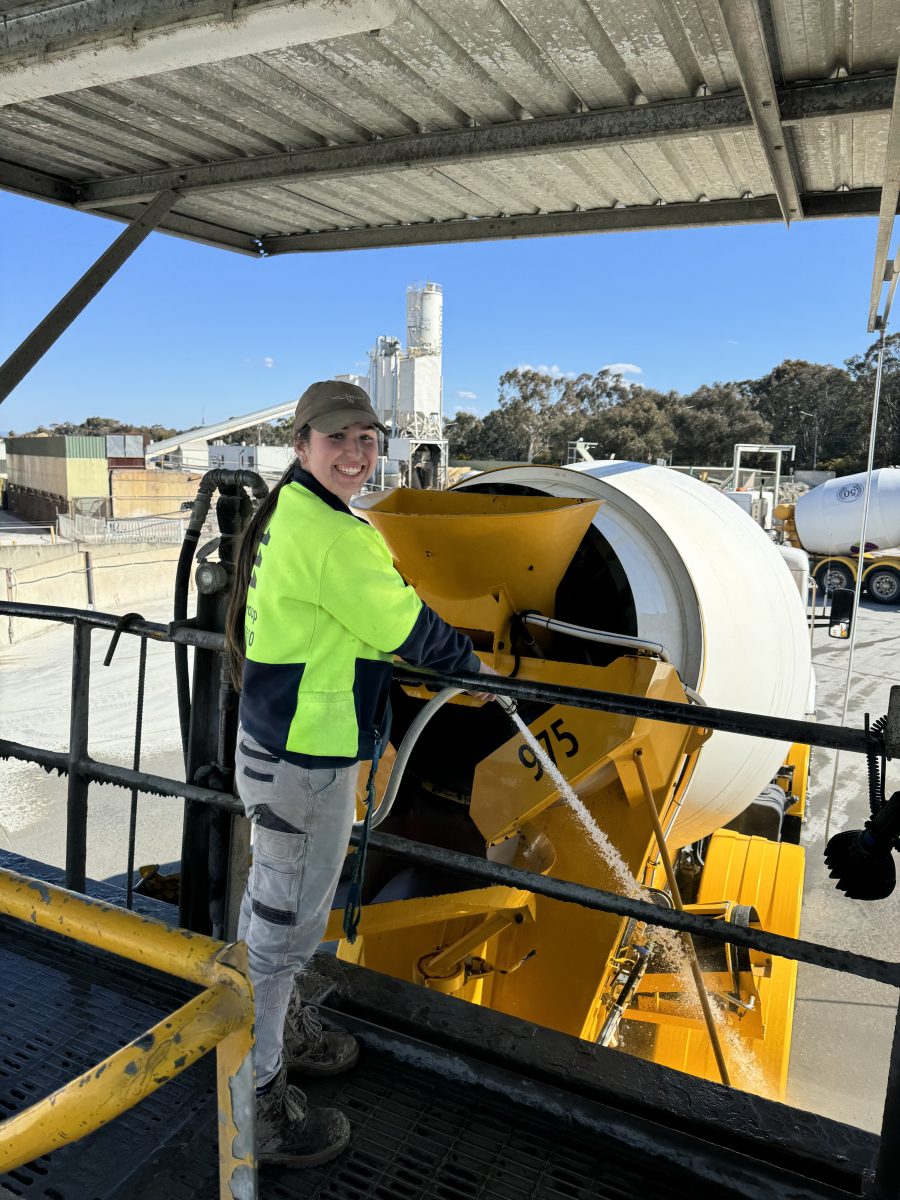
[211, 481]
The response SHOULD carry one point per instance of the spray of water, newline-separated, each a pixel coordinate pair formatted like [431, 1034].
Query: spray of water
[670, 943]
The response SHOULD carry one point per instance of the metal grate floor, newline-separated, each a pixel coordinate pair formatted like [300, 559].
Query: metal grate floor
[417, 1136]
[63, 1008]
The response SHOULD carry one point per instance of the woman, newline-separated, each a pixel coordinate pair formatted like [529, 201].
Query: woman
[316, 615]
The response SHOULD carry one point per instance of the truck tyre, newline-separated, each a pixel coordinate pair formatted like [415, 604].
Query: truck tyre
[883, 585]
[830, 576]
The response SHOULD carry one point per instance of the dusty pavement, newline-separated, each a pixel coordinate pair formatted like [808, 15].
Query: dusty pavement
[843, 1026]
[34, 709]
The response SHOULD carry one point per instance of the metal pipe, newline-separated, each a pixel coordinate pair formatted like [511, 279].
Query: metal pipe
[493, 873]
[702, 996]
[61, 316]
[89, 578]
[886, 1182]
[140, 939]
[77, 792]
[124, 777]
[596, 635]
[154, 630]
[779, 729]
[123, 1079]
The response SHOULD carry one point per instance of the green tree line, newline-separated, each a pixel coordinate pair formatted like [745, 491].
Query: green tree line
[824, 410]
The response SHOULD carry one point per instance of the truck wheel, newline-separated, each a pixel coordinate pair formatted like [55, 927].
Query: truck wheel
[833, 575]
[884, 585]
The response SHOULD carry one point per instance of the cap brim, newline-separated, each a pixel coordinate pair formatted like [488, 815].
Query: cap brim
[334, 421]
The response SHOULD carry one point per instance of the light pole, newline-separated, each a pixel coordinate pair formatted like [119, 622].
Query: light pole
[814, 417]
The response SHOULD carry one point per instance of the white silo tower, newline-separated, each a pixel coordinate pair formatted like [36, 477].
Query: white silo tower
[418, 444]
[424, 317]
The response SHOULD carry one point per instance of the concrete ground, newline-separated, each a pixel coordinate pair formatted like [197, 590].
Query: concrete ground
[34, 709]
[843, 1026]
[14, 531]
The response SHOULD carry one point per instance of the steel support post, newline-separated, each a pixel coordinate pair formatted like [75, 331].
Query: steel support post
[58, 320]
[77, 795]
[886, 1183]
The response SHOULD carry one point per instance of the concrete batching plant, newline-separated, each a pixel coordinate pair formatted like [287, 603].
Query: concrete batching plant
[406, 391]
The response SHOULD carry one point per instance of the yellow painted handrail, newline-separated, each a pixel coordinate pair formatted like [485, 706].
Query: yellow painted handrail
[220, 1017]
[177, 952]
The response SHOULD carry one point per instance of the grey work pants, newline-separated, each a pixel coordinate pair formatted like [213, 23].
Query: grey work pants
[302, 821]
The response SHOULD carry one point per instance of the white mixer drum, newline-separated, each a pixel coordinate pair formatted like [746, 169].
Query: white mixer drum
[829, 518]
[709, 584]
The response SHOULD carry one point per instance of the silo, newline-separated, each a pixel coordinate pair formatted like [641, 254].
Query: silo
[424, 318]
[384, 374]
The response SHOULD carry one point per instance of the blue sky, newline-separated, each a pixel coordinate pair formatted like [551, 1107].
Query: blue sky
[185, 332]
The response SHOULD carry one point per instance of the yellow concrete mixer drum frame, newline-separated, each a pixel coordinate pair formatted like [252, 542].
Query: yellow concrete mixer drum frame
[480, 560]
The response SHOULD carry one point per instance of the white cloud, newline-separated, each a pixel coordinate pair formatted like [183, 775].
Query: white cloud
[623, 369]
[268, 361]
[467, 395]
[554, 369]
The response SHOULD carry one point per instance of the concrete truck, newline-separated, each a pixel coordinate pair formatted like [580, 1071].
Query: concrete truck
[826, 523]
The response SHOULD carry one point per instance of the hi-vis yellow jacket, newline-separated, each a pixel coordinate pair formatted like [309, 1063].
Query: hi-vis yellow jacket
[326, 611]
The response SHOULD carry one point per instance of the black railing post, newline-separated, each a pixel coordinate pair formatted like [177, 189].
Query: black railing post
[77, 795]
[886, 1182]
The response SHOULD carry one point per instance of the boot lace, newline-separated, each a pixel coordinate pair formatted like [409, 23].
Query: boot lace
[294, 1103]
[305, 1023]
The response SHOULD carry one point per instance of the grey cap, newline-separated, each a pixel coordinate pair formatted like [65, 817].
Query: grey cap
[332, 405]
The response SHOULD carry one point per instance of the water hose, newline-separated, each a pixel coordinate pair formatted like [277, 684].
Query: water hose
[382, 812]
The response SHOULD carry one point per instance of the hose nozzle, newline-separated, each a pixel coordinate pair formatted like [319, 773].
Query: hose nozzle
[507, 704]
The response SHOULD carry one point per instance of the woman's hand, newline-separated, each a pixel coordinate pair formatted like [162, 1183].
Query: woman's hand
[484, 669]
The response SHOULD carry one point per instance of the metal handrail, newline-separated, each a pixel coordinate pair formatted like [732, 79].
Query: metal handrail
[779, 729]
[220, 1017]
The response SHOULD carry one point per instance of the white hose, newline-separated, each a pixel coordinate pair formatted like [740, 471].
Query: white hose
[406, 748]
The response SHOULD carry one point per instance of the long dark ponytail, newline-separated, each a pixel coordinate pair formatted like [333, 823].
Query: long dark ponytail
[244, 561]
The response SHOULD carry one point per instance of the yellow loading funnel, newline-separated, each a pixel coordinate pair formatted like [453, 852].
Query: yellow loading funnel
[463, 545]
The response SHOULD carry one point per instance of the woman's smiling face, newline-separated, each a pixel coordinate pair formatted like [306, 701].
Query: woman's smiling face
[342, 461]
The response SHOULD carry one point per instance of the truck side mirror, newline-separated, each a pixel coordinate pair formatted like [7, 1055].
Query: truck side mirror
[841, 616]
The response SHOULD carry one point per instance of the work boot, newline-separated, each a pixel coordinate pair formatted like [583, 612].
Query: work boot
[290, 1133]
[311, 1050]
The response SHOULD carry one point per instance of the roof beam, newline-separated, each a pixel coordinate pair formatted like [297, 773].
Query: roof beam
[193, 229]
[28, 182]
[748, 43]
[88, 43]
[890, 193]
[863, 202]
[607, 127]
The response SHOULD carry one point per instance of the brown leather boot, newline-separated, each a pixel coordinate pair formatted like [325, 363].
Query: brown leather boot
[292, 1134]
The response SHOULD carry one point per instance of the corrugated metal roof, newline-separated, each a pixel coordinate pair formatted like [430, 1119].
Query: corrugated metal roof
[454, 113]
